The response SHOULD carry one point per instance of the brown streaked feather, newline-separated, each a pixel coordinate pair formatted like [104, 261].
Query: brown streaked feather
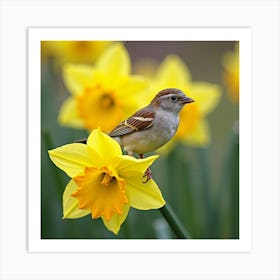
[141, 120]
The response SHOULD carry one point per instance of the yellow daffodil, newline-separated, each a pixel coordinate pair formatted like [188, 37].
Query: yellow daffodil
[231, 73]
[104, 182]
[193, 128]
[101, 95]
[74, 51]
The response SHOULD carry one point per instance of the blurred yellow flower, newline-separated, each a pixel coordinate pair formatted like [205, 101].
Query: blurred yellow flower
[230, 62]
[193, 128]
[104, 182]
[102, 95]
[73, 51]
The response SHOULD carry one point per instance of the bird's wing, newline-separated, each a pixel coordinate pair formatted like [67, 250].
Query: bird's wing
[141, 120]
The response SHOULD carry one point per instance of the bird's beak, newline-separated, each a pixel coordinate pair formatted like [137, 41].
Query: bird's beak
[187, 100]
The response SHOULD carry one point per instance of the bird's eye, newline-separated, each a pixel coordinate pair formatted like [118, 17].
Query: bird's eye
[173, 98]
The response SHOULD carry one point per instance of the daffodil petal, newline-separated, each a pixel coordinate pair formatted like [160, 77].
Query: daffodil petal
[132, 94]
[144, 196]
[131, 85]
[107, 148]
[173, 73]
[114, 61]
[199, 137]
[71, 158]
[77, 77]
[129, 166]
[71, 204]
[68, 114]
[205, 94]
[114, 224]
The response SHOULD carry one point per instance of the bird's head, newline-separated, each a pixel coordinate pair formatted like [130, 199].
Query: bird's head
[171, 99]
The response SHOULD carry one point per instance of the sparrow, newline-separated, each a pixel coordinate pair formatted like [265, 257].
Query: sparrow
[152, 126]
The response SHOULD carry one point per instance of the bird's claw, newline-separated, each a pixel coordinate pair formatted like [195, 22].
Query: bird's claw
[147, 175]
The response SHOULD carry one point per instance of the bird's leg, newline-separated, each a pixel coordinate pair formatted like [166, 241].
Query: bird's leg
[148, 172]
[148, 175]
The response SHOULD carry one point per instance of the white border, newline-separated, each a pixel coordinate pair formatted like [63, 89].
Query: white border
[243, 244]
[262, 16]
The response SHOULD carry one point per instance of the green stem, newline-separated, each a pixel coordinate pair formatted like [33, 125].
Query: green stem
[174, 222]
[49, 145]
[210, 221]
[227, 200]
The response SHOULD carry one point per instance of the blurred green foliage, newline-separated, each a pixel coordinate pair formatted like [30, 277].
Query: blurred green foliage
[200, 184]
